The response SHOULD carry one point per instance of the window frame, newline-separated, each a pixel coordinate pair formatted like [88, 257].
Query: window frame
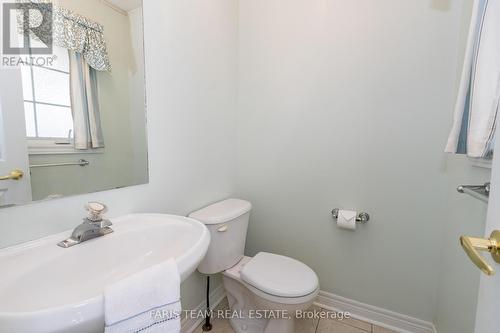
[50, 145]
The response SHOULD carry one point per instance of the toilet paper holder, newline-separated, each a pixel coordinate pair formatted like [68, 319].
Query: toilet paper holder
[362, 217]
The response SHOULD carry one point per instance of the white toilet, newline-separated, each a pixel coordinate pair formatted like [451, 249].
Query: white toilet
[254, 286]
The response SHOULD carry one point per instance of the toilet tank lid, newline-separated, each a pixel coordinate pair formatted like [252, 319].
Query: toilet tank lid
[222, 212]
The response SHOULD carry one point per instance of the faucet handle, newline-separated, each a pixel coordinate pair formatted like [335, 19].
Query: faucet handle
[95, 209]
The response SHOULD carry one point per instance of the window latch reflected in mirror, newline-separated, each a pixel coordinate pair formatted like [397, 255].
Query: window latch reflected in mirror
[68, 142]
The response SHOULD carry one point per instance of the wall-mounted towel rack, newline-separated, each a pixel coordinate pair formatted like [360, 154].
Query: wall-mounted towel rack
[81, 163]
[481, 192]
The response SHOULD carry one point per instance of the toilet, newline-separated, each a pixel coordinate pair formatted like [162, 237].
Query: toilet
[264, 291]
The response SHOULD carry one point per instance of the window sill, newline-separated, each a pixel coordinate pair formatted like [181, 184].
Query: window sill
[50, 148]
[480, 162]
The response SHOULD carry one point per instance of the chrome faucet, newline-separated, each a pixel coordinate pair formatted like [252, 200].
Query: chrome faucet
[93, 226]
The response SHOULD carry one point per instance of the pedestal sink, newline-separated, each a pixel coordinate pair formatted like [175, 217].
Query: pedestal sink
[46, 288]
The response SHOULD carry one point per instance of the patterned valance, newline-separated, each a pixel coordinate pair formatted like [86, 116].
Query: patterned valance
[73, 32]
[77, 33]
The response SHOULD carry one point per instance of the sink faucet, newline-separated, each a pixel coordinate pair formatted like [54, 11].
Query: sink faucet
[93, 226]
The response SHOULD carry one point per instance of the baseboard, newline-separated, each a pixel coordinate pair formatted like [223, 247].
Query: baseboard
[375, 315]
[216, 296]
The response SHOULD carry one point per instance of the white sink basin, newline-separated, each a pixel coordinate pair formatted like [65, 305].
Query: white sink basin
[46, 288]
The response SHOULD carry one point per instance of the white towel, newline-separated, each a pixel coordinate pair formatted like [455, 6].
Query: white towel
[479, 94]
[146, 302]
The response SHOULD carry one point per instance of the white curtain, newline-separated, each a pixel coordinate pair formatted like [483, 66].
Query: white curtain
[479, 94]
[84, 103]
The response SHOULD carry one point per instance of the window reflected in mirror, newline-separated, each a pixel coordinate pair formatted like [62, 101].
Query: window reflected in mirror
[73, 118]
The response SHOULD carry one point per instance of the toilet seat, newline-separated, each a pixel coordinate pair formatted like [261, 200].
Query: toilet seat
[279, 276]
[235, 274]
[282, 300]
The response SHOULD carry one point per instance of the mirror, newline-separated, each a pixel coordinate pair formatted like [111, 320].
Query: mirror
[72, 99]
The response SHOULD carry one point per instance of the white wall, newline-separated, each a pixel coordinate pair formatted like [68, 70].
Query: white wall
[191, 89]
[348, 104]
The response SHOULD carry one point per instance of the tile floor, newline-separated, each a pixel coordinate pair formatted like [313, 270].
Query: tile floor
[309, 325]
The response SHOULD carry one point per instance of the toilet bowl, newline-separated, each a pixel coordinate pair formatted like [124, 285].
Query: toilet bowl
[265, 291]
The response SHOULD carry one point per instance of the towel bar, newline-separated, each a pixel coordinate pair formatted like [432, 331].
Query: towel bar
[481, 192]
[81, 163]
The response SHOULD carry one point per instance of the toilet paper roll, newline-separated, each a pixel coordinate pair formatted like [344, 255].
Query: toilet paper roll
[347, 219]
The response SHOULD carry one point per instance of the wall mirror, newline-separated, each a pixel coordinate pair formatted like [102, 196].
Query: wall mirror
[72, 101]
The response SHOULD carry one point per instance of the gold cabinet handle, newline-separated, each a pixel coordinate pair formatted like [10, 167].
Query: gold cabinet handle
[13, 175]
[472, 245]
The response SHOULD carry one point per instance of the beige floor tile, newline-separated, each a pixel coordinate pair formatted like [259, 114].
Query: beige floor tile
[358, 324]
[223, 305]
[335, 326]
[377, 329]
[218, 326]
[355, 323]
[307, 325]
[223, 326]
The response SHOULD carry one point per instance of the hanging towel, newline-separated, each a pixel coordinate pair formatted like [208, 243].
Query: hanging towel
[479, 93]
[146, 302]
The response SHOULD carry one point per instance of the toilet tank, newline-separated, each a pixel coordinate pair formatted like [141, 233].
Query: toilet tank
[227, 222]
